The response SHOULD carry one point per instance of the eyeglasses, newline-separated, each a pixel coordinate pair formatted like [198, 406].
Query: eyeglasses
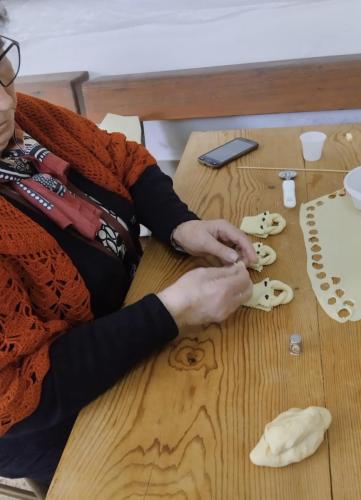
[11, 50]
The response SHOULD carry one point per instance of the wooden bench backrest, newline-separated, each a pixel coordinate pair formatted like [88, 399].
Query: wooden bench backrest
[316, 84]
[63, 89]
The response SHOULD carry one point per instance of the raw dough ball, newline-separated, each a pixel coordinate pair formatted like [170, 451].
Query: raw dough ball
[266, 256]
[263, 224]
[292, 436]
[263, 296]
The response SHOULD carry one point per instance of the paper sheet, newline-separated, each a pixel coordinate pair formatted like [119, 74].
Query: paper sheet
[128, 125]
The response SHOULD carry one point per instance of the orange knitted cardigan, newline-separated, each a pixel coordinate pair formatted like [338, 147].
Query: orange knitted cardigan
[41, 292]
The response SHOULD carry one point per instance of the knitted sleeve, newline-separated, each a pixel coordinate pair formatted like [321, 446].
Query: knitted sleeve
[90, 358]
[107, 159]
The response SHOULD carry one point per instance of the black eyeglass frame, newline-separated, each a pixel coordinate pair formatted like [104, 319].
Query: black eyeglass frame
[17, 45]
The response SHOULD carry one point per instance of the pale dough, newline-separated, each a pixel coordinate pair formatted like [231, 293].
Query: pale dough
[266, 256]
[263, 296]
[263, 224]
[292, 436]
[332, 232]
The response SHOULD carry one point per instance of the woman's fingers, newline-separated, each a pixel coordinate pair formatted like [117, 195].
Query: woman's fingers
[214, 247]
[237, 281]
[207, 294]
[228, 232]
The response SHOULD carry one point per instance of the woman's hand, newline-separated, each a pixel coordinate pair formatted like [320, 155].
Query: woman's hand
[207, 295]
[218, 238]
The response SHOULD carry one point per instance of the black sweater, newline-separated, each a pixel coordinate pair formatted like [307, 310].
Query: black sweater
[88, 359]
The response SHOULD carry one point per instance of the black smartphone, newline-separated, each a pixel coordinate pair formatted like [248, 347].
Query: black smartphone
[228, 152]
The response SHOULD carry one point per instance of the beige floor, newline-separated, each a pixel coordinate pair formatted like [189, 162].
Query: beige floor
[19, 483]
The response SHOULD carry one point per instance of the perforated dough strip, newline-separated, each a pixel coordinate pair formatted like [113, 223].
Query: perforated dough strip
[332, 233]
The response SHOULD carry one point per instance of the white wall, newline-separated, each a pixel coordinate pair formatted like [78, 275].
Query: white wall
[131, 36]
[135, 36]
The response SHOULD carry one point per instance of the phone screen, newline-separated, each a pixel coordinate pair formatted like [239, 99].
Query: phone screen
[229, 150]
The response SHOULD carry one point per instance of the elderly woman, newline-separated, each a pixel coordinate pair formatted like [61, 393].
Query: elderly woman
[71, 198]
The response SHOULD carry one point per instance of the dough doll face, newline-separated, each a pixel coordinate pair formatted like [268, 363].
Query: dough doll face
[266, 256]
[263, 224]
[269, 293]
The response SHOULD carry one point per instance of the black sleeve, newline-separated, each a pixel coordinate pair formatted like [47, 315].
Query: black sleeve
[156, 204]
[88, 359]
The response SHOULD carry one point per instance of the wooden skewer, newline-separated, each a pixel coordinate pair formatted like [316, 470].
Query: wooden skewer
[305, 170]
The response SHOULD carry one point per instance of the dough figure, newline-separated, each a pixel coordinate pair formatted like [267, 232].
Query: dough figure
[266, 256]
[292, 436]
[263, 224]
[263, 296]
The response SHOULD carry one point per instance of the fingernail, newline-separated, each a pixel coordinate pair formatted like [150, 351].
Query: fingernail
[233, 257]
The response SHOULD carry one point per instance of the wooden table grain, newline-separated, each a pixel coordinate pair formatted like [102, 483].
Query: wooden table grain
[181, 424]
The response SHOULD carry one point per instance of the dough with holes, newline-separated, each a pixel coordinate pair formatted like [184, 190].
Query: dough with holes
[263, 224]
[332, 264]
[292, 436]
[264, 295]
[266, 256]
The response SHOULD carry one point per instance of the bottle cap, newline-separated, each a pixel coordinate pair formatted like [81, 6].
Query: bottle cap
[295, 344]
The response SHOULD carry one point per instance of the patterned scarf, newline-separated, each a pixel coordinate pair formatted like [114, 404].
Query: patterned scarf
[40, 177]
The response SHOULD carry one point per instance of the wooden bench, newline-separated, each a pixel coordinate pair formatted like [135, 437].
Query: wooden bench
[63, 89]
[317, 84]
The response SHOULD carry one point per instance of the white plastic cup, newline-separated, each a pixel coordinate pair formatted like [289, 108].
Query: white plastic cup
[312, 145]
[352, 184]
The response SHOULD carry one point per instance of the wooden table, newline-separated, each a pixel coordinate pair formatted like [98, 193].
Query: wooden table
[181, 425]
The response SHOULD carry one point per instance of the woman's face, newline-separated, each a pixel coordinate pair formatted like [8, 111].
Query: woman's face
[7, 105]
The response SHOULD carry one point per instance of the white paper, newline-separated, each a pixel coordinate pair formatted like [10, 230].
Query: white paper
[127, 125]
